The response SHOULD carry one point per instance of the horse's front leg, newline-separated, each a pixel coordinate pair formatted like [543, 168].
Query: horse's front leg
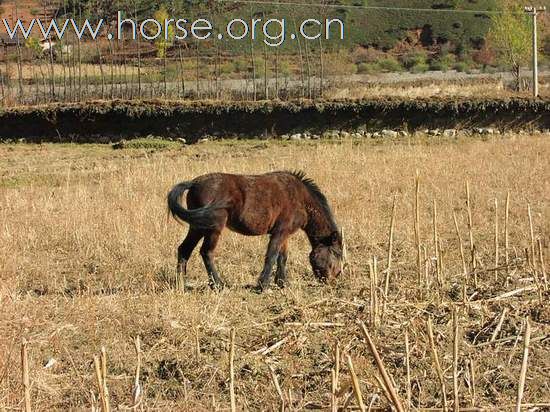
[281, 273]
[273, 249]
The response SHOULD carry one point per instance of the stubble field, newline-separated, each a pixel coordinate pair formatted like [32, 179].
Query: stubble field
[87, 256]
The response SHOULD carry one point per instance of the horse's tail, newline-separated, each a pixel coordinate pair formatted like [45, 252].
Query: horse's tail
[201, 218]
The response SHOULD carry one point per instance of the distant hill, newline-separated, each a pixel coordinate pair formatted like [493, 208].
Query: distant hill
[454, 23]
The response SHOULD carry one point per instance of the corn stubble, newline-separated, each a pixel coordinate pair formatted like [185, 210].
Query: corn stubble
[442, 305]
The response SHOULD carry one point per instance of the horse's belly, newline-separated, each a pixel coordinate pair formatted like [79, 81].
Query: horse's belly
[251, 224]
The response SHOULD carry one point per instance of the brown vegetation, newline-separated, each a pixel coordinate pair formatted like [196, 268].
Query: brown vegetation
[87, 252]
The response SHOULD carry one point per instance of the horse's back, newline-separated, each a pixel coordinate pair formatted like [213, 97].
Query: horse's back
[256, 203]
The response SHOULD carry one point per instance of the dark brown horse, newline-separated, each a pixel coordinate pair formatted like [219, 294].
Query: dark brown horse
[276, 203]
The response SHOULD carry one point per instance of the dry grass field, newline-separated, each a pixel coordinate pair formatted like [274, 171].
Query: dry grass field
[87, 256]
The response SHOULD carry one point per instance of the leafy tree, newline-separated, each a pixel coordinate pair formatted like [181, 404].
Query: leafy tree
[34, 46]
[510, 35]
[165, 40]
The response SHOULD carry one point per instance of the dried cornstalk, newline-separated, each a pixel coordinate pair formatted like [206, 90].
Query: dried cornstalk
[104, 379]
[523, 373]
[506, 220]
[232, 370]
[456, 404]
[277, 385]
[356, 387]
[460, 245]
[380, 365]
[408, 367]
[374, 290]
[496, 233]
[390, 252]
[384, 389]
[532, 233]
[333, 392]
[136, 391]
[499, 325]
[471, 233]
[337, 362]
[100, 386]
[417, 226]
[426, 266]
[472, 380]
[437, 364]
[542, 266]
[25, 376]
[436, 244]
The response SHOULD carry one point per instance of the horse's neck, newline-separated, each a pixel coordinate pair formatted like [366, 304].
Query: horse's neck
[319, 224]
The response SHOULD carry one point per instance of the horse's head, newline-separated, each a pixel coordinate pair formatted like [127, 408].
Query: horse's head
[326, 258]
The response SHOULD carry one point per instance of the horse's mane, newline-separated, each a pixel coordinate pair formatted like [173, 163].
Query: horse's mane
[315, 191]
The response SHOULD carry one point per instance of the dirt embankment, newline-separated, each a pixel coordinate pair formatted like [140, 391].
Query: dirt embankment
[93, 121]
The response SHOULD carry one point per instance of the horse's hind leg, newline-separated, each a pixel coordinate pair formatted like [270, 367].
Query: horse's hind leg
[281, 273]
[184, 252]
[207, 252]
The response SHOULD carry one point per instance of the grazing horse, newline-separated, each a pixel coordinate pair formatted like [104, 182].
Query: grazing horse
[278, 204]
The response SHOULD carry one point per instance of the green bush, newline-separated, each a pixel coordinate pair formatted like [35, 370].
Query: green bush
[443, 63]
[227, 67]
[240, 65]
[461, 67]
[284, 68]
[367, 68]
[420, 68]
[414, 58]
[390, 64]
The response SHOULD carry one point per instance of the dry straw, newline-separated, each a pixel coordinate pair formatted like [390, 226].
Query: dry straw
[390, 255]
[437, 365]
[232, 370]
[471, 233]
[25, 376]
[388, 384]
[374, 290]
[461, 247]
[417, 225]
[456, 341]
[356, 387]
[496, 233]
[335, 375]
[436, 244]
[100, 372]
[506, 223]
[532, 234]
[499, 325]
[542, 265]
[408, 369]
[277, 385]
[523, 373]
[136, 390]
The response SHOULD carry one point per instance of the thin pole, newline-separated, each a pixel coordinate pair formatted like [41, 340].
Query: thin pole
[534, 12]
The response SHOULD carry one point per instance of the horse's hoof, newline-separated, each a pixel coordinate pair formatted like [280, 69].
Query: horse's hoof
[281, 284]
[260, 288]
[218, 287]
